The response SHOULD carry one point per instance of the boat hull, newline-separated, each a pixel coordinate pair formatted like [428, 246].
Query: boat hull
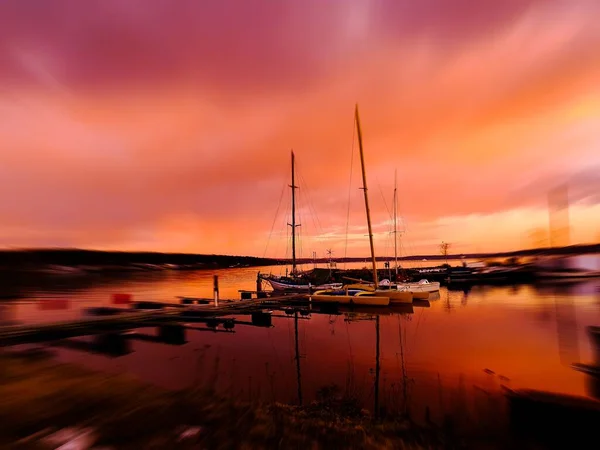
[351, 299]
[422, 287]
[360, 298]
[395, 296]
[419, 295]
[281, 286]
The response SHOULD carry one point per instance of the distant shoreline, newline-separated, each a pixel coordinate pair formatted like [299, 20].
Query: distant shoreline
[569, 250]
[101, 261]
[114, 260]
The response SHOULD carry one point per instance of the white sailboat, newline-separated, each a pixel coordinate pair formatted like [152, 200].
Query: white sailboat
[420, 287]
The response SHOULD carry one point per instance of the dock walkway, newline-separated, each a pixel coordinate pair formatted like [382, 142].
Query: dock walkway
[164, 313]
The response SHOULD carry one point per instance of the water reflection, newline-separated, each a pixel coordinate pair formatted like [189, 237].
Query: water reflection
[592, 369]
[566, 329]
[568, 287]
[297, 358]
[448, 355]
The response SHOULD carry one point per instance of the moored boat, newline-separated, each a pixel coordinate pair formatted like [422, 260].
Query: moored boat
[393, 293]
[350, 297]
[396, 296]
[296, 281]
[572, 266]
[422, 286]
[279, 283]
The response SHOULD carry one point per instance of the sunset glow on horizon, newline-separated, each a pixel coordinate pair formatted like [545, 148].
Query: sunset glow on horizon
[167, 126]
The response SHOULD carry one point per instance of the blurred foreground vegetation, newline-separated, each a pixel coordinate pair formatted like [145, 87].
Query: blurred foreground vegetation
[40, 396]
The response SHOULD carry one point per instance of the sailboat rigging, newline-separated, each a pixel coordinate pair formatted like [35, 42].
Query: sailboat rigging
[422, 288]
[296, 281]
[364, 293]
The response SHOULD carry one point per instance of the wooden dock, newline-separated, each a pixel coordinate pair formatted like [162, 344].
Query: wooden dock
[153, 314]
[171, 318]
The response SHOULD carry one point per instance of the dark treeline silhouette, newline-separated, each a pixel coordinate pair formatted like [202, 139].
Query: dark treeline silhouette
[553, 251]
[15, 259]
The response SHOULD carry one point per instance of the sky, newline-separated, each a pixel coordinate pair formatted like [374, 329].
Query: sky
[167, 126]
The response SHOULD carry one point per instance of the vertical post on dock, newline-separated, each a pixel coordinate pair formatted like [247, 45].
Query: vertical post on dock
[216, 289]
[258, 283]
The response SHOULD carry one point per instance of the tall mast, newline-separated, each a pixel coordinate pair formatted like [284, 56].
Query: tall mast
[395, 221]
[293, 224]
[364, 177]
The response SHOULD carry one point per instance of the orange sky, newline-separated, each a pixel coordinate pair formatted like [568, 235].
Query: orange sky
[145, 125]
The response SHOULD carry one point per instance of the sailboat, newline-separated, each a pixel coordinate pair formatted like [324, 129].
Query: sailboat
[296, 281]
[421, 289]
[420, 286]
[373, 291]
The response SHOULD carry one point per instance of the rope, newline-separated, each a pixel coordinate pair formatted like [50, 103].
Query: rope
[309, 202]
[384, 202]
[306, 199]
[283, 233]
[349, 190]
[274, 220]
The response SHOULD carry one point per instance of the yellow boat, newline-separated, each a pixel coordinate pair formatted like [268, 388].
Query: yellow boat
[349, 297]
[419, 295]
[395, 296]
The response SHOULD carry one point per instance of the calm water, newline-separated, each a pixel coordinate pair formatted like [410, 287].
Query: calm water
[451, 354]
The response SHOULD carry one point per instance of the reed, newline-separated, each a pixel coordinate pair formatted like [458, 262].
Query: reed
[125, 413]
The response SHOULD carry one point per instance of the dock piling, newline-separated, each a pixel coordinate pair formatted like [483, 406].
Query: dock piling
[258, 282]
[216, 289]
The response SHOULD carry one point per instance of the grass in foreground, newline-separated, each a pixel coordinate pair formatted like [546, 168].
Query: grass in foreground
[38, 394]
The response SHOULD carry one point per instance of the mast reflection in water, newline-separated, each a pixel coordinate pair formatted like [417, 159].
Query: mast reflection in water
[424, 361]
